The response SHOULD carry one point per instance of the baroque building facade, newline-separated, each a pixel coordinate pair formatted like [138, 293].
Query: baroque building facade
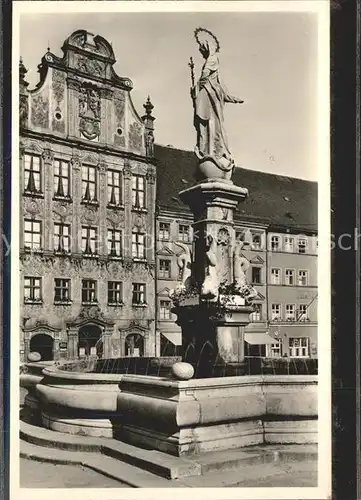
[103, 229]
[88, 185]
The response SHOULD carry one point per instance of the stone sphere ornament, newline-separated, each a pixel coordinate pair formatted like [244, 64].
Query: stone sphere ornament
[182, 371]
[34, 356]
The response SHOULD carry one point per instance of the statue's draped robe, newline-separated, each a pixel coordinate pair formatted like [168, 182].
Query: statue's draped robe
[208, 118]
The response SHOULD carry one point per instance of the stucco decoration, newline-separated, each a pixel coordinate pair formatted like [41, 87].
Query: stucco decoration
[89, 215]
[89, 112]
[62, 210]
[151, 175]
[135, 136]
[127, 170]
[89, 313]
[23, 111]
[88, 65]
[58, 87]
[32, 207]
[115, 218]
[40, 111]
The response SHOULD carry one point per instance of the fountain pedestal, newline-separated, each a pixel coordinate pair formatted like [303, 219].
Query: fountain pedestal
[213, 322]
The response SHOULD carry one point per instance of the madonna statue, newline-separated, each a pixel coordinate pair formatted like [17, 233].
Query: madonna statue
[209, 96]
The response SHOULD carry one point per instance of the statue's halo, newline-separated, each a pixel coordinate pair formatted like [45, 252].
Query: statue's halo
[202, 35]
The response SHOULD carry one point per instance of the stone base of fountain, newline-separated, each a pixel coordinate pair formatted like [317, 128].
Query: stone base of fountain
[196, 416]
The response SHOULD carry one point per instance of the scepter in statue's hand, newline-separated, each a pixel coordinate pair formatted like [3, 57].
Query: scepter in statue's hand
[193, 88]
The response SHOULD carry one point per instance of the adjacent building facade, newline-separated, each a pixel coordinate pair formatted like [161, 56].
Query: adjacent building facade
[102, 226]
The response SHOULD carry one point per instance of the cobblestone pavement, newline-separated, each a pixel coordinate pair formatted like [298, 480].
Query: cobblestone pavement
[42, 475]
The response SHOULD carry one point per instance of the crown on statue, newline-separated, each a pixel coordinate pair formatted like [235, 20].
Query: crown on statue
[204, 36]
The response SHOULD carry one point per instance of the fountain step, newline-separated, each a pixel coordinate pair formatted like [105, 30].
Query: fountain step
[109, 467]
[159, 463]
[164, 465]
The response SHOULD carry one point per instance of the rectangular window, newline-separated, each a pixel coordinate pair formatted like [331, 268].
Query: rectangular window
[289, 244]
[115, 293]
[138, 245]
[290, 312]
[256, 275]
[138, 191]
[256, 315]
[302, 313]
[302, 245]
[32, 174]
[89, 240]
[289, 277]
[164, 231]
[61, 179]
[275, 243]
[276, 312]
[89, 184]
[164, 268]
[302, 278]
[32, 235]
[165, 310]
[114, 243]
[299, 347]
[61, 290]
[275, 276]
[61, 238]
[114, 188]
[89, 291]
[274, 350]
[183, 233]
[138, 296]
[32, 290]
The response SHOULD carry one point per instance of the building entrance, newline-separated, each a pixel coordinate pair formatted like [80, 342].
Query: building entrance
[43, 344]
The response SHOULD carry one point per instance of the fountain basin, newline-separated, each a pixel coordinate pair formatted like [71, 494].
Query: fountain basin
[195, 416]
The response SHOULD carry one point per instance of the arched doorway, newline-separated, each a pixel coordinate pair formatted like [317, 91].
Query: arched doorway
[134, 345]
[90, 341]
[43, 344]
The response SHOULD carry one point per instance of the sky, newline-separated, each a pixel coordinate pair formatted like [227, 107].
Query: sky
[269, 59]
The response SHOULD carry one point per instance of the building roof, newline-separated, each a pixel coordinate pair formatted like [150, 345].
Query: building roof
[278, 201]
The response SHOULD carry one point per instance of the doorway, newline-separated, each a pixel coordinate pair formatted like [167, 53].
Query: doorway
[43, 344]
[134, 345]
[90, 341]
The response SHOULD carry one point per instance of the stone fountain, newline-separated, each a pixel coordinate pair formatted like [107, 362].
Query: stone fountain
[217, 409]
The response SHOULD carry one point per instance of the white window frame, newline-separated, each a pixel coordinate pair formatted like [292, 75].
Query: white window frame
[299, 277]
[163, 230]
[274, 350]
[274, 238]
[305, 247]
[165, 313]
[273, 280]
[288, 315]
[260, 275]
[289, 244]
[299, 351]
[256, 315]
[288, 275]
[278, 316]
[302, 316]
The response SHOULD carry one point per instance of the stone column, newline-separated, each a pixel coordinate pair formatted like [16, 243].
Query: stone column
[122, 343]
[213, 204]
[107, 343]
[213, 320]
[72, 343]
[48, 158]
